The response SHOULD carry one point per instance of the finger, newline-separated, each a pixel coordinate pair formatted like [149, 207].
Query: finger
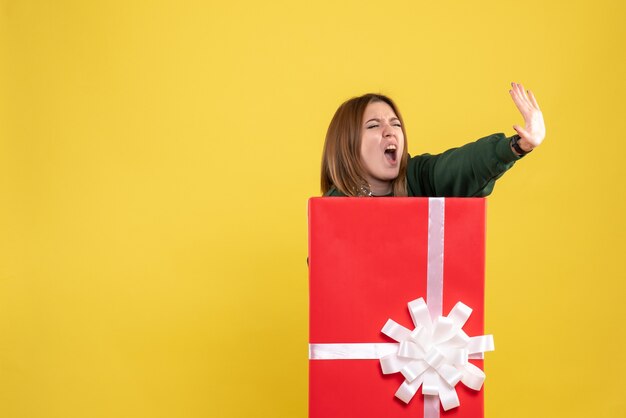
[524, 95]
[522, 132]
[532, 99]
[519, 103]
[520, 97]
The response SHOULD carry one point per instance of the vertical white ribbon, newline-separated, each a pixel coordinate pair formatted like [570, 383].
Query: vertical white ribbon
[434, 271]
[434, 278]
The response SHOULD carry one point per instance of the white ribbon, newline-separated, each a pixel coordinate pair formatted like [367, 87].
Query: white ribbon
[434, 355]
[434, 277]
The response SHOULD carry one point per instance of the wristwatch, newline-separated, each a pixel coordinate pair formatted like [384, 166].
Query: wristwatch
[516, 147]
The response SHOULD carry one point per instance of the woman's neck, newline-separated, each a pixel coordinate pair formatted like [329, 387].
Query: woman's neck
[380, 188]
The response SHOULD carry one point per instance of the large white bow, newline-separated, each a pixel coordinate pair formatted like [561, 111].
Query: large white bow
[435, 355]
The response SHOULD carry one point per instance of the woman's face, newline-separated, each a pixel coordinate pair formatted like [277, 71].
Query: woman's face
[382, 144]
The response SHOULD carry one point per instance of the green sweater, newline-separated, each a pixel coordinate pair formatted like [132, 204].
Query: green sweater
[468, 171]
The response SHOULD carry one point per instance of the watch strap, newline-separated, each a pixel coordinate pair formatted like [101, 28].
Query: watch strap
[516, 146]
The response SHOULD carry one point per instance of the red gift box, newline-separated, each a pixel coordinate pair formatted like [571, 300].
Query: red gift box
[368, 257]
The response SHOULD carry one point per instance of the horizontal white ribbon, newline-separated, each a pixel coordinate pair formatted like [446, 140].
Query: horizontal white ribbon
[353, 351]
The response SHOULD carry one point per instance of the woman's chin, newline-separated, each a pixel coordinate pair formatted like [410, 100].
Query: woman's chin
[383, 177]
[391, 175]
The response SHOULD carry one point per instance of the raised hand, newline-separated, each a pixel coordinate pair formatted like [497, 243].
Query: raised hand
[534, 130]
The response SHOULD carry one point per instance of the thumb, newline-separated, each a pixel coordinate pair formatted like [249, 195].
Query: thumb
[521, 131]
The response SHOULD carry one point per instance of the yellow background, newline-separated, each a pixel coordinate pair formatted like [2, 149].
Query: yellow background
[155, 163]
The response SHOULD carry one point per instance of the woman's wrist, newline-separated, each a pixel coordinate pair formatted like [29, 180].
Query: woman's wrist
[520, 146]
[525, 145]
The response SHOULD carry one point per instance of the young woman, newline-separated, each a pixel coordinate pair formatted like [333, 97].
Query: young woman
[365, 153]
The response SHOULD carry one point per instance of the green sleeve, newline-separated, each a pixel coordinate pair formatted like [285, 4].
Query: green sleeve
[334, 193]
[468, 171]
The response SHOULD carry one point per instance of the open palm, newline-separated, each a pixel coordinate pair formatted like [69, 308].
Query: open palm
[534, 130]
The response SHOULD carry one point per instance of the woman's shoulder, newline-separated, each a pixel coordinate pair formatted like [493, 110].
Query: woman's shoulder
[333, 192]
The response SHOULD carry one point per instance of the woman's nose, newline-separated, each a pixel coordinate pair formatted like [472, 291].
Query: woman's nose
[387, 131]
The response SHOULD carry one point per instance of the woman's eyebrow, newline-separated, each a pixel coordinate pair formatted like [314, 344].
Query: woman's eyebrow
[378, 120]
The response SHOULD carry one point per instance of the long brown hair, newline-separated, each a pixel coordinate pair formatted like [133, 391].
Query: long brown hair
[342, 167]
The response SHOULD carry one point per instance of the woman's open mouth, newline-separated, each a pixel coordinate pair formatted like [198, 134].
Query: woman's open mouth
[391, 154]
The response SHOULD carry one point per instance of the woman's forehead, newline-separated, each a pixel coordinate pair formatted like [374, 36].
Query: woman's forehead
[378, 110]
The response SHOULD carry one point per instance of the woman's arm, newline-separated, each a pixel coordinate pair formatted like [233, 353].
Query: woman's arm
[471, 170]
